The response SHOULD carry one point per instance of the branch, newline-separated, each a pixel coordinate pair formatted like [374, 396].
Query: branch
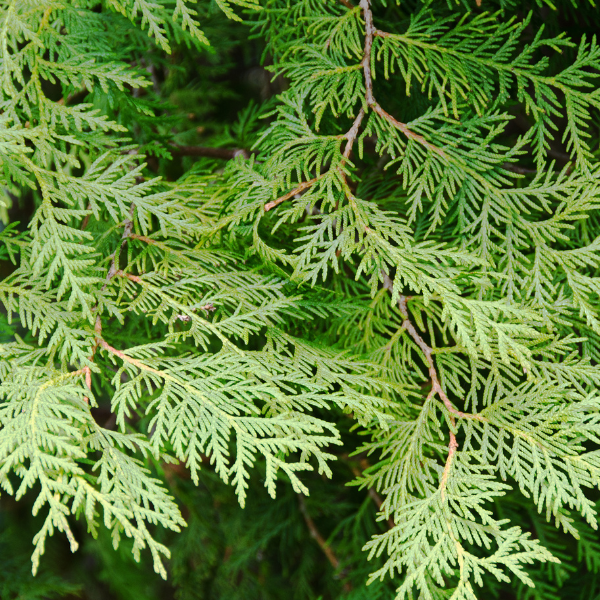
[112, 271]
[352, 133]
[370, 33]
[130, 276]
[452, 448]
[88, 381]
[225, 153]
[316, 534]
[142, 238]
[364, 464]
[427, 350]
[366, 61]
[518, 169]
[403, 127]
[127, 230]
[436, 387]
[86, 219]
[114, 263]
[300, 188]
[139, 364]
[350, 136]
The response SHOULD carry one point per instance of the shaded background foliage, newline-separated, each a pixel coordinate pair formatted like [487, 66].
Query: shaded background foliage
[210, 98]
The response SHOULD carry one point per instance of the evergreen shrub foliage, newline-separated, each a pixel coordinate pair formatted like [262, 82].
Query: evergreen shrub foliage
[383, 274]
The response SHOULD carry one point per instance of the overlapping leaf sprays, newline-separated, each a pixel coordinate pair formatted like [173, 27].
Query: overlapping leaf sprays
[378, 214]
[479, 259]
[109, 251]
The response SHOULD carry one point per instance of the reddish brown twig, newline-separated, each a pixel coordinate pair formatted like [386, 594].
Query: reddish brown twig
[129, 276]
[364, 464]
[114, 263]
[427, 351]
[297, 190]
[365, 6]
[436, 387]
[86, 219]
[316, 535]
[452, 448]
[370, 33]
[208, 307]
[225, 153]
[112, 271]
[404, 128]
[134, 361]
[88, 381]
[142, 238]
[352, 133]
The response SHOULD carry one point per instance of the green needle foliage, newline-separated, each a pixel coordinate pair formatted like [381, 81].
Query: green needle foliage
[382, 272]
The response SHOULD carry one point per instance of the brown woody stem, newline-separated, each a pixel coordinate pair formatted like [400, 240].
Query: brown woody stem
[452, 448]
[316, 535]
[370, 33]
[364, 464]
[225, 153]
[88, 381]
[142, 238]
[427, 351]
[403, 127]
[352, 133]
[297, 190]
[436, 387]
[139, 364]
[365, 5]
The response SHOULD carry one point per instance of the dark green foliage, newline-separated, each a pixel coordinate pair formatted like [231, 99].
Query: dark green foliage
[299, 299]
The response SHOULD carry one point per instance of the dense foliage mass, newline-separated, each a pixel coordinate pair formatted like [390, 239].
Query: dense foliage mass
[300, 298]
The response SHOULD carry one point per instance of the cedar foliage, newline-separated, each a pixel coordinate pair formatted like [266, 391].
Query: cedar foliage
[383, 275]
